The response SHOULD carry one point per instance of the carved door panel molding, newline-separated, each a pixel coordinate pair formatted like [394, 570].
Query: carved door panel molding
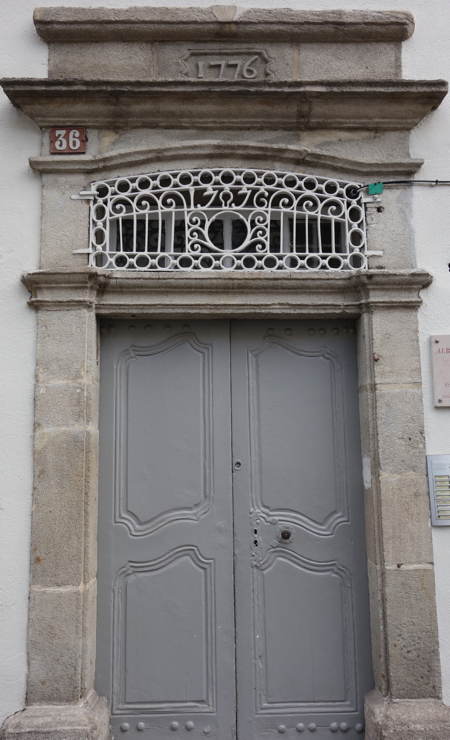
[303, 658]
[165, 656]
[231, 555]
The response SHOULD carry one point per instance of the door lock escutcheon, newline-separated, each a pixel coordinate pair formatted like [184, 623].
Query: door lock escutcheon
[285, 535]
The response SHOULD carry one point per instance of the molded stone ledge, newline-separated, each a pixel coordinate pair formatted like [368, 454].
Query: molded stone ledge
[339, 104]
[164, 294]
[220, 22]
[420, 719]
[87, 720]
[218, 151]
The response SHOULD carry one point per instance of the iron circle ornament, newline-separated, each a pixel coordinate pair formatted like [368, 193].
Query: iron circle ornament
[227, 219]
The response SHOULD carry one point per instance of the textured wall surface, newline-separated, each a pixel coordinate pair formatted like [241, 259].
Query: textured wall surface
[22, 53]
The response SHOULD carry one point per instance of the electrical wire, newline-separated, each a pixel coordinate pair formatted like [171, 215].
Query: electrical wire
[405, 182]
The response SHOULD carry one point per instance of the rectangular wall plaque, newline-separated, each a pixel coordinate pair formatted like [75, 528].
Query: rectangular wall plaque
[440, 358]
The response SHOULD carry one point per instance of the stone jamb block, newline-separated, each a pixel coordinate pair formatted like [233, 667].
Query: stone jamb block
[64, 552]
[66, 351]
[55, 645]
[391, 231]
[64, 404]
[401, 437]
[395, 347]
[64, 221]
[411, 632]
[65, 480]
[405, 514]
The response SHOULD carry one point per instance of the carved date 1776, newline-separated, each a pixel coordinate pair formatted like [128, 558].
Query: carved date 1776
[226, 65]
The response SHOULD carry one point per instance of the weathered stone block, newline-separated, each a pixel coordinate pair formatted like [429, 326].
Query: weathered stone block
[64, 222]
[65, 464]
[391, 231]
[66, 349]
[423, 719]
[405, 519]
[87, 720]
[396, 357]
[400, 431]
[54, 645]
[107, 61]
[65, 404]
[412, 641]
[346, 61]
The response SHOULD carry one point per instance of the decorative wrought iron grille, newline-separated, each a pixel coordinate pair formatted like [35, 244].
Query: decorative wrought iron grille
[227, 219]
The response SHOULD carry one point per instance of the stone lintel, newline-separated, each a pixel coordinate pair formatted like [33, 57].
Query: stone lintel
[214, 151]
[86, 720]
[247, 294]
[339, 104]
[220, 23]
[419, 719]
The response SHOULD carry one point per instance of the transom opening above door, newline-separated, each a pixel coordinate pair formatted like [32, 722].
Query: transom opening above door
[227, 219]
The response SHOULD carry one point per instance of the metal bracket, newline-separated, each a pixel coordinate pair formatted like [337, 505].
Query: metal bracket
[83, 195]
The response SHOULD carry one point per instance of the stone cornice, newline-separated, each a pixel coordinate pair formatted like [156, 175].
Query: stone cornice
[221, 152]
[346, 104]
[245, 294]
[220, 23]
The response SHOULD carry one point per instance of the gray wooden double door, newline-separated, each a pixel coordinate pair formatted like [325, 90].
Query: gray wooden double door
[232, 574]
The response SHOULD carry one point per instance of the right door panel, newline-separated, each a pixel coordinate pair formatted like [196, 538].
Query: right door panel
[302, 624]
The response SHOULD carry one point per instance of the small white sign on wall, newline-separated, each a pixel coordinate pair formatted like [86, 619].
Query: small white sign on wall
[440, 358]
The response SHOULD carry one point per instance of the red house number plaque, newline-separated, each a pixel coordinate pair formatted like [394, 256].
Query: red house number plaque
[68, 140]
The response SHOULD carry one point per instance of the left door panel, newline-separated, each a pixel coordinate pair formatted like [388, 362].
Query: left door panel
[165, 637]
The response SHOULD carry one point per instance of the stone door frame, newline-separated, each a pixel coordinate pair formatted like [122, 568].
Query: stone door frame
[401, 579]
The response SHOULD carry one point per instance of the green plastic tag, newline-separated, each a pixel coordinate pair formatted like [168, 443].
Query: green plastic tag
[375, 188]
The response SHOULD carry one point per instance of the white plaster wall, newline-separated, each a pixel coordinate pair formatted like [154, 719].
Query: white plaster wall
[22, 54]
